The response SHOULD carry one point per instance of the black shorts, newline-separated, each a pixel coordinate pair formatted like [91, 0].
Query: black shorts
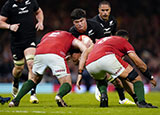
[18, 51]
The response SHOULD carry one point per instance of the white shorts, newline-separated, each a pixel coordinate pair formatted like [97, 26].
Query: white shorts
[109, 64]
[56, 63]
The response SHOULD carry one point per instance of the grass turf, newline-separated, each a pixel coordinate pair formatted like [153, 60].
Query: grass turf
[82, 104]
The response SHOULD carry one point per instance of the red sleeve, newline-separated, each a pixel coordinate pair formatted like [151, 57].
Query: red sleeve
[128, 47]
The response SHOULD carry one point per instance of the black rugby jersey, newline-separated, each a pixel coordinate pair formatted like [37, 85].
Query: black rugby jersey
[94, 30]
[24, 14]
[109, 27]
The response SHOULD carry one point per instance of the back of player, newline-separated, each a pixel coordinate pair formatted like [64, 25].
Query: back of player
[61, 43]
[110, 45]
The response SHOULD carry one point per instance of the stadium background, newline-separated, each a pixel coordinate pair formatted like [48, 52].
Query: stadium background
[140, 17]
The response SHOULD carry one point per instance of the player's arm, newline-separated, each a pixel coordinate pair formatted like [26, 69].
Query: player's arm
[5, 25]
[82, 61]
[40, 19]
[142, 67]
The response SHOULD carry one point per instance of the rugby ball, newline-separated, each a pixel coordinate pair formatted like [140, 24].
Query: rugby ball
[85, 40]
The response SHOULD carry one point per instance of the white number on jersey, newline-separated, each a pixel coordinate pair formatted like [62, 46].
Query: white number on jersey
[54, 34]
[103, 40]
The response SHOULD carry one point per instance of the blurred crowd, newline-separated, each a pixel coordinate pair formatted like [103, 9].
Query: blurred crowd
[140, 17]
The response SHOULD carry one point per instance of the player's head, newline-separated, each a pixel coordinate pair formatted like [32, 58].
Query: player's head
[78, 17]
[104, 9]
[123, 33]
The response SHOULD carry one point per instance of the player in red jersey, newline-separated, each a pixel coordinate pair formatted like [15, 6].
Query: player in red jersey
[51, 52]
[106, 56]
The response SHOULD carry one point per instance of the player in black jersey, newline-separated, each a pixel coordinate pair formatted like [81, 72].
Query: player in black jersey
[83, 26]
[109, 24]
[106, 20]
[19, 17]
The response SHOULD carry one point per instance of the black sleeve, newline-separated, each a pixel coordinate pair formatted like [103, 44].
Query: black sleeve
[35, 5]
[5, 10]
[73, 32]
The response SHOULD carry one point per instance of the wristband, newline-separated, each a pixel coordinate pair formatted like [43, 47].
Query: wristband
[80, 71]
[147, 74]
[10, 27]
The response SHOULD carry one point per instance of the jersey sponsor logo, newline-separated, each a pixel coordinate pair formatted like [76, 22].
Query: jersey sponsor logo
[111, 23]
[119, 70]
[60, 70]
[107, 30]
[14, 6]
[27, 2]
[23, 8]
[90, 32]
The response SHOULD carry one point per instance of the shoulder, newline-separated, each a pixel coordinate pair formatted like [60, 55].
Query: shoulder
[112, 18]
[8, 3]
[95, 18]
[72, 29]
[93, 23]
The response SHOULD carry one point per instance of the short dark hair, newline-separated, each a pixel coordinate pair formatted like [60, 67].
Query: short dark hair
[122, 33]
[78, 13]
[104, 2]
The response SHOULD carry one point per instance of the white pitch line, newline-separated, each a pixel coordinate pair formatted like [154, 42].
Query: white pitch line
[33, 111]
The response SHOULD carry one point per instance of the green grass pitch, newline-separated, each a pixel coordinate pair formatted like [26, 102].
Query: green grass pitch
[81, 104]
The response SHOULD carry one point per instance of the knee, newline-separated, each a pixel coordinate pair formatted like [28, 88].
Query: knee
[30, 64]
[18, 69]
[36, 79]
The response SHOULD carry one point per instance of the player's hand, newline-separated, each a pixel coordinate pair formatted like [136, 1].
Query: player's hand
[14, 27]
[153, 82]
[79, 81]
[39, 26]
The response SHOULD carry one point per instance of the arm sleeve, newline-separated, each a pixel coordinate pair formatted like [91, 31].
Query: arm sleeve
[5, 10]
[35, 5]
[128, 47]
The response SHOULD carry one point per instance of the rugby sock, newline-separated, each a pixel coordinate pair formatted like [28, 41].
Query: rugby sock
[134, 98]
[102, 86]
[16, 82]
[64, 89]
[121, 93]
[33, 91]
[139, 90]
[27, 86]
